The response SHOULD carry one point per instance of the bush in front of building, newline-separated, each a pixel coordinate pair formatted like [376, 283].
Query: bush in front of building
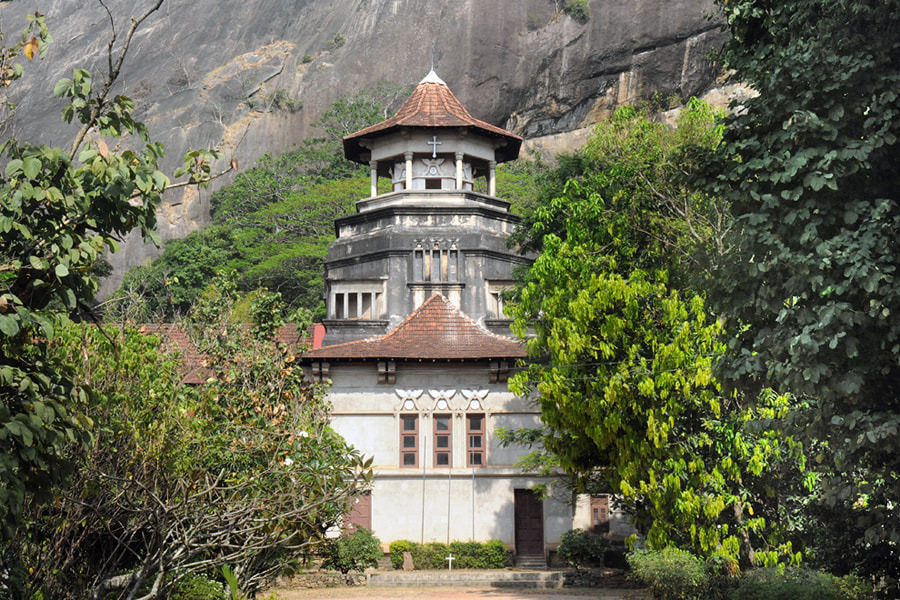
[466, 555]
[670, 573]
[397, 549]
[581, 548]
[356, 551]
[799, 584]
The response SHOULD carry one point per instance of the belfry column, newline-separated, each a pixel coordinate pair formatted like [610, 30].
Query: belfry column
[492, 178]
[373, 165]
[408, 155]
[459, 170]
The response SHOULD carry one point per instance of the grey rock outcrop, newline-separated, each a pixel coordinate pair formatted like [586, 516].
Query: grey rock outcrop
[217, 73]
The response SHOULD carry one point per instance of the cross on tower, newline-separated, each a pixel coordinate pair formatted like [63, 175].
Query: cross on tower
[434, 143]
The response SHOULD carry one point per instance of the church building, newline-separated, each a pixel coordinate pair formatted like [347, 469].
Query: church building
[417, 348]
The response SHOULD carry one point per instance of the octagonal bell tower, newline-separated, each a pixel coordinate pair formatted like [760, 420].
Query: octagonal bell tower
[432, 233]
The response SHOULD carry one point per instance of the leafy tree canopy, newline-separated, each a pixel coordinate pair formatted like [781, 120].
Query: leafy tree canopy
[242, 470]
[59, 210]
[625, 351]
[809, 168]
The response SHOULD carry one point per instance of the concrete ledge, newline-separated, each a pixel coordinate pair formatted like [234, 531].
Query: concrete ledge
[511, 579]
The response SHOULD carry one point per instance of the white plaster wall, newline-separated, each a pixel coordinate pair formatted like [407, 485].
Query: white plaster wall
[511, 454]
[373, 435]
[417, 142]
[398, 507]
[461, 502]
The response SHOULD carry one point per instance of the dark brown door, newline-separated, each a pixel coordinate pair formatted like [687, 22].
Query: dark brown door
[600, 514]
[529, 517]
[360, 515]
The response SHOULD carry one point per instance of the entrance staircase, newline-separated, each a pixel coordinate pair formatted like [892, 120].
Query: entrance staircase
[472, 578]
[536, 563]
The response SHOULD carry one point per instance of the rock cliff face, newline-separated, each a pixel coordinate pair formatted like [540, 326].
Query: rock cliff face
[231, 74]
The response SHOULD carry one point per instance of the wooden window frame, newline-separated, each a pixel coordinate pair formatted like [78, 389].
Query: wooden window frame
[437, 448]
[600, 514]
[471, 450]
[407, 450]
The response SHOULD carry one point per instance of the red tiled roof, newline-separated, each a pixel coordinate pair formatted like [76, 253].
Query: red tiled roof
[437, 330]
[194, 363]
[431, 104]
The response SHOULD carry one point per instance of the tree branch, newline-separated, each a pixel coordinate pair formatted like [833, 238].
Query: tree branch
[115, 67]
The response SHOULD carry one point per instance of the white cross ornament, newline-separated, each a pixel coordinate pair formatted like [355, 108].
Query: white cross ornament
[434, 143]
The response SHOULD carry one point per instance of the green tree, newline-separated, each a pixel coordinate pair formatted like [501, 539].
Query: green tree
[242, 470]
[624, 349]
[59, 211]
[809, 168]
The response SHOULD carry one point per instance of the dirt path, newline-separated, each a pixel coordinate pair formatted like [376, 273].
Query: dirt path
[452, 593]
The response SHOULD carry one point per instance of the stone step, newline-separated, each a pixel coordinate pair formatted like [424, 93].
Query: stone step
[531, 562]
[519, 579]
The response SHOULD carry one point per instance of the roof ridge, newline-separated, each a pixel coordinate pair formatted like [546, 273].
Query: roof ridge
[431, 320]
[375, 338]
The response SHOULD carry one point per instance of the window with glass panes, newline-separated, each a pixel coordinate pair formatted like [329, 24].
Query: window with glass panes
[409, 441]
[475, 440]
[443, 448]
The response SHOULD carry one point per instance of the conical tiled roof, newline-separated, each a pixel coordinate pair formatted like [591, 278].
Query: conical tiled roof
[437, 330]
[432, 104]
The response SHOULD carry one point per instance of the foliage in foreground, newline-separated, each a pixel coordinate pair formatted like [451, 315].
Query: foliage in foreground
[798, 584]
[242, 470]
[809, 167]
[624, 349]
[60, 210]
[671, 574]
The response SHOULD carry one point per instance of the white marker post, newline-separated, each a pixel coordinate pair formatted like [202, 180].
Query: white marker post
[449, 560]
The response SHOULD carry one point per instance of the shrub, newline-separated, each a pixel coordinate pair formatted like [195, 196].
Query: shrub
[397, 549]
[671, 574]
[356, 551]
[336, 41]
[282, 100]
[198, 587]
[476, 555]
[534, 21]
[580, 548]
[466, 555]
[722, 574]
[797, 584]
[578, 10]
[307, 58]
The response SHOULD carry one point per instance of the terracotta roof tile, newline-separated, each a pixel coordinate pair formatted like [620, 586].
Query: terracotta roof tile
[175, 339]
[437, 330]
[431, 104]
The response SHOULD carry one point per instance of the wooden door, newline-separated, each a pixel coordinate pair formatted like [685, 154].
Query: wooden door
[529, 524]
[360, 515]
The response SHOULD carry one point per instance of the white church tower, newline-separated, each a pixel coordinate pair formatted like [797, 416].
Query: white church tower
[417, 348]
